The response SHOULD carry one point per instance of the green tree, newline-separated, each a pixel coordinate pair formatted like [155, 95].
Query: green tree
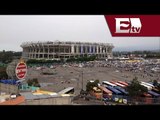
[155, 83]
[3, 74]
[96, 83]
[29, 82]
[135, 89]
[90, 85]
[33, 82]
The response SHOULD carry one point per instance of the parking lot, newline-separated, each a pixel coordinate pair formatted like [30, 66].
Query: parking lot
[77, 75]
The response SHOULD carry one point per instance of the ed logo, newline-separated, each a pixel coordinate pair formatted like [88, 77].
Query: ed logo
[128, 25]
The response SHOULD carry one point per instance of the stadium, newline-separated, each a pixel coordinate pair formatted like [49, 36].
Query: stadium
[64, 50]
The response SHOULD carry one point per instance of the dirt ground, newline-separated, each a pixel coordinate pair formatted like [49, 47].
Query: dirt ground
[64, 77]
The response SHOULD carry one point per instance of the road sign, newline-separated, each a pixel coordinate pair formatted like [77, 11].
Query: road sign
[21, 70]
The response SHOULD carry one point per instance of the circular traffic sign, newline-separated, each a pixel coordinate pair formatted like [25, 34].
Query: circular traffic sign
[21, 70]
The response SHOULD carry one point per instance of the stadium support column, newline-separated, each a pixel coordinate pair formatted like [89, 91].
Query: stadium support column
[105, 51]
[102, 56]
[72, 50]
[100, 51]
[109, 52]
[39, 51]
[77, 51]
[48, 52]
[34, 51]
[93, 50]
[81, 46]
[86, 50]
[97, 51]
[31, 53]
[43, 51]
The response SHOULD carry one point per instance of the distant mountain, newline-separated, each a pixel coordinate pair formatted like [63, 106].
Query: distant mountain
[136, 49]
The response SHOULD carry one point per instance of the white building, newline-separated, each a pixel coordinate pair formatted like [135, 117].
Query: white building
[59, 49]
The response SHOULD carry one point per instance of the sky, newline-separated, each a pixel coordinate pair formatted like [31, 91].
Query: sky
[16, 29]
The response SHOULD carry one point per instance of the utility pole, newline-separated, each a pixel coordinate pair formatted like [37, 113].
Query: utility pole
[82, 79]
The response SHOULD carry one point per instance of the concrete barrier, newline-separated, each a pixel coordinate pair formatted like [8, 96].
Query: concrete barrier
[49, 101]
[8, 88]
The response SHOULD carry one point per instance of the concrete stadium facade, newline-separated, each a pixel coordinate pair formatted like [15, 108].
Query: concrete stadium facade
[64, 50]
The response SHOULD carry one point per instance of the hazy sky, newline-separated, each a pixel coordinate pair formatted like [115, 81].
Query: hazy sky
[15, 29]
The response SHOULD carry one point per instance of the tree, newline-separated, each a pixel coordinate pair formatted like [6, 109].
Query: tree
[33, 82]
[82, 59]
[155, 83]
[135, 89]
[29, 82]
[90, 85]
[3, 74]
[96, 83]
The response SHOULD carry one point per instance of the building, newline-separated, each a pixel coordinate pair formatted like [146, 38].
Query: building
[61, 50]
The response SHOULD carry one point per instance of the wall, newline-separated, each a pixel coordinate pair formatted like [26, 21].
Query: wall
[49, 101]
[8, 88]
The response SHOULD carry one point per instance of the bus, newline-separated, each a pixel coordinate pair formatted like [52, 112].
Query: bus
[121, 90]
[146, 95]
[156, 90]
[106, 93]
[154, 94]
[148, 87]
[123, 83]
[147, 98]
[147, 84]
[105, 90]
[118, 84]
[96, 92]
[114, 91]
[106, 83]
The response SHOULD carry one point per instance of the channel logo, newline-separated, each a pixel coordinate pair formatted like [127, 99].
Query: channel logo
[128, 25]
